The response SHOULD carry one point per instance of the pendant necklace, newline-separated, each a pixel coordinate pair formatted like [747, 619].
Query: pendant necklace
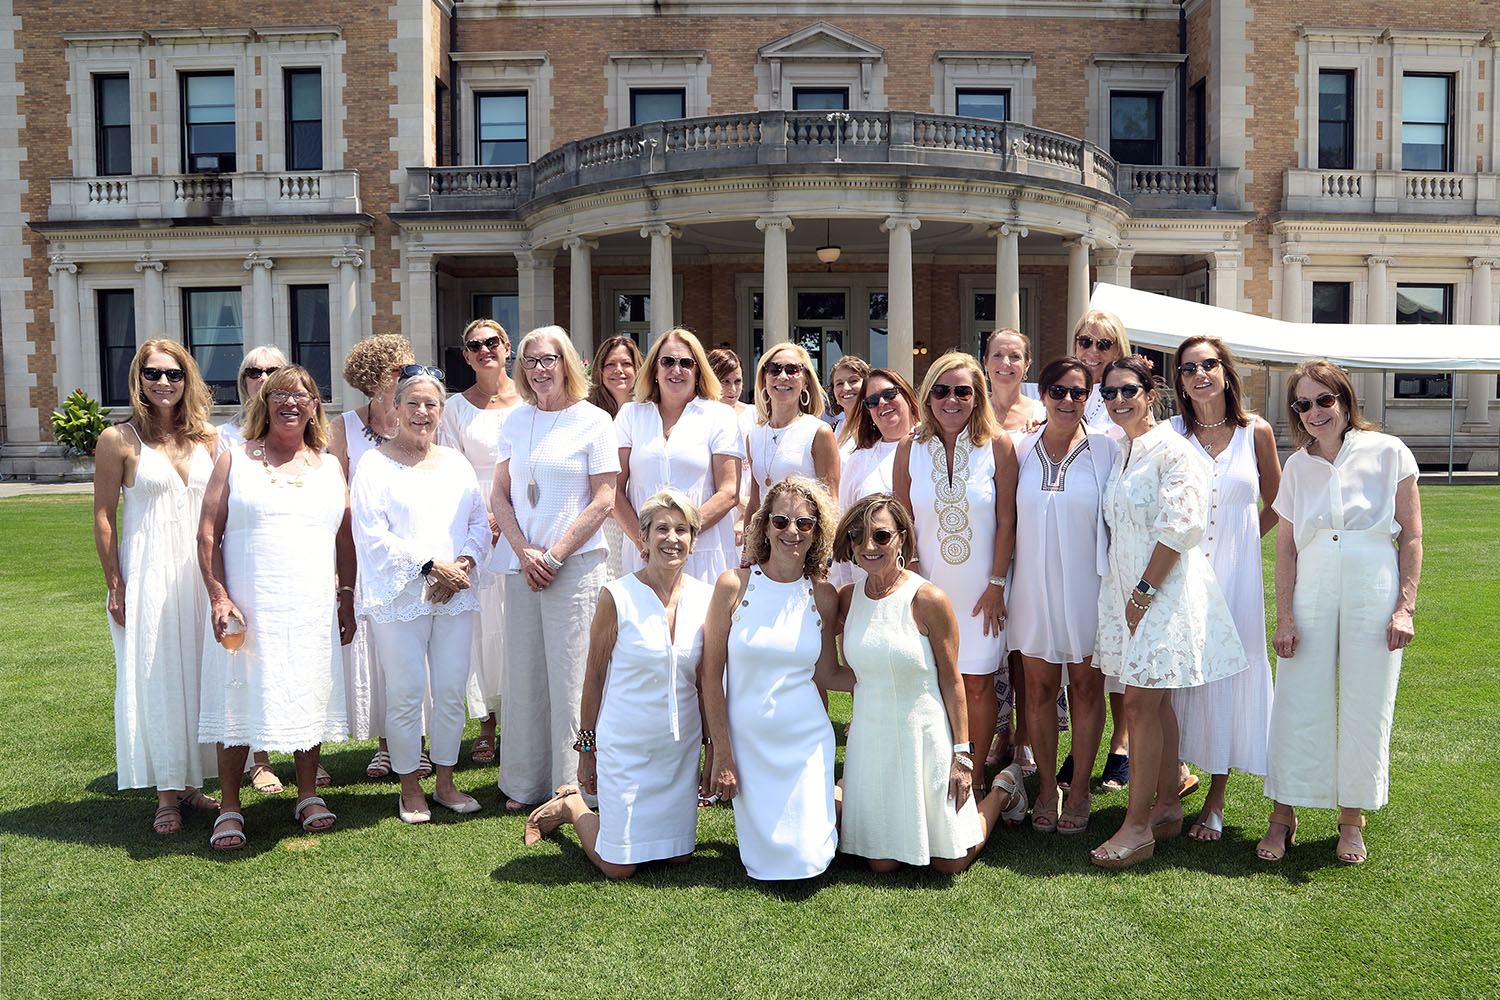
[533, 491]
[775, 443]
[260, 453]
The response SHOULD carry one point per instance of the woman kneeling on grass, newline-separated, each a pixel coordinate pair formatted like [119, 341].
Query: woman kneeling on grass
[644, 648]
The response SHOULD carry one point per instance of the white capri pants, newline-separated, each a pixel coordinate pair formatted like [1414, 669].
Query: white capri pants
[1335, 699]
[431, 650]
[546, 651]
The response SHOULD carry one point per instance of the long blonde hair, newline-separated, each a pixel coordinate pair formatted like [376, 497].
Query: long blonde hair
[192, 416]
[982, 426]
[817, 403]
[707, 384]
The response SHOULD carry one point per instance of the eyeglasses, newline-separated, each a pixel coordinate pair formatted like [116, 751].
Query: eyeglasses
[487, 344]
[407, 371]
[882, 536]
[804, 523]
[284, 395]
[1085, 341]
[1325, 400]
[775, 368]
[157, 374]
[1064, 391]
[254, 372]
[546, 362]
[1123, 391]
[686, 364]
[1191, 367]
[883, 396]
[941, 390]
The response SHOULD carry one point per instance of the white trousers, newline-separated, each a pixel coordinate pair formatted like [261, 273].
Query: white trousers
[430, 652]
[546, 650]
[1335, 699]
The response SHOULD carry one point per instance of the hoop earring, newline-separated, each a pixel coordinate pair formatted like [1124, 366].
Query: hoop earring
[766, 395]
[805, 398]
[900, 562]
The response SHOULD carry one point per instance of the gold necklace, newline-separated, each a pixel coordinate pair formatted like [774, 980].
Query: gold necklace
[262, 453]
[533, 491]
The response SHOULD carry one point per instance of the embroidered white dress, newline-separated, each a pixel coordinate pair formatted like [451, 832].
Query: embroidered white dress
[649, 729]
[1225, 724]
[1158, 491]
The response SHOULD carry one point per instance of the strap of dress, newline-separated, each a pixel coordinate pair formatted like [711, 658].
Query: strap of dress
[140, 440]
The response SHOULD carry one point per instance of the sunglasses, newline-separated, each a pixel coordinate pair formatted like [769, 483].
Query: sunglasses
[1085, 341]
[775, 368]
[686, 364]
[407, 371]
[883, 396]
[546, 362]
[941, 390]
[1192, 367]
[882, 536]
[254, 372]
[283, 396]
[1325, 400]
[1078, 393]
[487, 344]
[804, 523]
[157, 374]
[1124, 391]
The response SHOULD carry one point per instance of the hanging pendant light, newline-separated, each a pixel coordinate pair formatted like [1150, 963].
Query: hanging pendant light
[828, 252]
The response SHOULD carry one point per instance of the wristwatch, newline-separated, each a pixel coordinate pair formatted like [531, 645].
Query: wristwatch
[1145, 589]
[426, 567]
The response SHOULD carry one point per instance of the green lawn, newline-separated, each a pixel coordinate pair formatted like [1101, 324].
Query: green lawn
[95, 905]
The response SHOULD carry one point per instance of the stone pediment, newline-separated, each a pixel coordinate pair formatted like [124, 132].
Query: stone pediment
[822, 41]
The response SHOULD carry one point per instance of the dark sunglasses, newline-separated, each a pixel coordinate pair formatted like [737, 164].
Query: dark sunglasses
[254, 372]
[1126, 391]
[882, 536]
[156, 374]
[941, 390]
[804, 523]
[1064, 391]
[1325, 400]
[1191, 367]
[407, 371]
[686, 364]
[487, 344]
[774, 368]
[883, 396]
[1085, 341]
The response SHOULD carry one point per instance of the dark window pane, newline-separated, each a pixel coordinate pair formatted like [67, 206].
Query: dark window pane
[304, 127]
[879, 306]
[991, 104]
[500, 124]
[210, 98]
[757, 305]
[114, 151]
[657, 105]
[984, 307]
[1336, 119]
[1330, 302]
[112, 125]
[1427, 122]
[311, 346]
[116, 345]
[1135, 127]
[208, 121]
[305, 94]
[821, 305]
[304, 146]
[114, 100]
[215, 335]
[820, 99]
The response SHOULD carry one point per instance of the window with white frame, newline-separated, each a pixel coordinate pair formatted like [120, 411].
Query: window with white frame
[1421, 305]
[214, 331]
[994, 85]
[526, 76]
[655, 85]
[500, 133]
[1427, 121]
[1133, 106]
[208, 143]
[820, 57]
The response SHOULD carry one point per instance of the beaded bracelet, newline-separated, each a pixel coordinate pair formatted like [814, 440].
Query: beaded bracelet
[585, 743]
[964, 761]
[1143, 607]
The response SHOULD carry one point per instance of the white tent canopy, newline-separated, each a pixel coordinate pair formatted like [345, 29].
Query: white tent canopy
[1158, 321]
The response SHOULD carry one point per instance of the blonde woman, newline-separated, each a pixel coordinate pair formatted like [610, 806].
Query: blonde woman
[788, 438]
[1007, 359]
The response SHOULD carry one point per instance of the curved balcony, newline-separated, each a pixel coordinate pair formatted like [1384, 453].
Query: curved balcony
[902, 139]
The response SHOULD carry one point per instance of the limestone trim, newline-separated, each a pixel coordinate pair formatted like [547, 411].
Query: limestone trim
[685, 69]
[1096, 10]
[1147, 72]
[953, 70]
[820, 55]
[528, 72]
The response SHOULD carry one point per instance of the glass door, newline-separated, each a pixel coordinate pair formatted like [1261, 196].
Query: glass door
[822, 327]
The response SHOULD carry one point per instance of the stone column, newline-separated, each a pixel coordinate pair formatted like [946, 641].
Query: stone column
[663, 314]
[1112, 265]
[1293, 310]
[1480, 386]
[581, 293]
[534, 288]
[1078, 279]
[776, 315]
[67, 344]
[1008, 275]
[1224, 278]
[1378, 309]
[900, 321]
[421, 307]
[153, 305]
[344, 331]
[262, 327]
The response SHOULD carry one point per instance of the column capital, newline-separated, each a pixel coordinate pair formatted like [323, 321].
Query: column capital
[1007, 229]
[660, 229]
[1379, 260]
[1479, 263]
[774, 222]
[253, 259]
[533, 257]
[1226, 258]
[58, 264]
[1087, 242]
[146, 262]
[894, 222]
[1115, 256]
[580, 242]
[349, 257]
[1294, 258]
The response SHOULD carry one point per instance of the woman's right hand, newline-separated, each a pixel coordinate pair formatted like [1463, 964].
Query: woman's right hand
[116, 603]
[1285, 642]
[223, 609]
[726, 779]
[538, 573]
[588, 772]
[453, 576]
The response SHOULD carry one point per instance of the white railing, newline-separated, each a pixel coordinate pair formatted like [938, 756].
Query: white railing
[1413, 192]
[177, 196]
[1150, 186]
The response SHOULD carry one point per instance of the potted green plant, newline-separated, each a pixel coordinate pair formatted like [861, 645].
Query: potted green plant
[77, 427]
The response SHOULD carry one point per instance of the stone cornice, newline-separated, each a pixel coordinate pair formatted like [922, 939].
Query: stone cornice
[1374, 226]
[177, 36]
[1094, 10]
[535, 57]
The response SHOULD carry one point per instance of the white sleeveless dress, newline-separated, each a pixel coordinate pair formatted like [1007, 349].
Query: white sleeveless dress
[779, 732]
[158, 651]
[1226, 723]
[778, 452]
[955, 520]
[900, 748]
[863, 472]
[284, 689]
[649, 727]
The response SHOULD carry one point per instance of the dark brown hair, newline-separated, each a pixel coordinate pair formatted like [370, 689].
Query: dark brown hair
[861, 514]
[1234, 407]
[598, 394]
[866, 434]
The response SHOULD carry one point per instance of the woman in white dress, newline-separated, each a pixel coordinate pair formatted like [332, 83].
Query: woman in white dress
[768, 647]
[638, 745]
[161, 460]
[788, 438]
[372, 369]
[1163, 623]
[554, 486]
[847, 382]
[472, 423]
[957, 478]
[1348, 562]
[611, 386]
[678, 434]
[908, 765]
[885, 418]
[1223, 725]
[277, 557]
[1061, 554]
[731, 375]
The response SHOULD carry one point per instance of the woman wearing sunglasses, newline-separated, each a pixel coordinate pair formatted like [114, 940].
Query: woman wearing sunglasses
[1348, 561]
[1224, 724]
[1099, 338]
[1163, 623]
[1061, 553]
[957, 477]
[160, 460]
[788, 438]
[768, 648]
[472, 424]
[908, 766]
[554, 486]
[886, 416]
[678, 434]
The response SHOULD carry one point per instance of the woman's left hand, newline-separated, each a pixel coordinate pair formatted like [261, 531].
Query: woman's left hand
[588, 772]
[1399, 631]
[452, 576]
[346, 618]
[1134, 612]
[960, 783]
[992, 607]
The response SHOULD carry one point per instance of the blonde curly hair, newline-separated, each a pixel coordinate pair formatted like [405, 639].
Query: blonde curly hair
[374, 360]
[758, 541]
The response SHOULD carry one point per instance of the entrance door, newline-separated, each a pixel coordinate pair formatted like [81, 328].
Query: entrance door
[822, 327]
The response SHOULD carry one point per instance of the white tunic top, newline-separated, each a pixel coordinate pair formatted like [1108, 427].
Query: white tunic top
[560, 449]
[778, 452]
[1363, 476]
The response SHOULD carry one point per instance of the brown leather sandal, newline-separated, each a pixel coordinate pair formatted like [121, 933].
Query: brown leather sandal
[1267, 851]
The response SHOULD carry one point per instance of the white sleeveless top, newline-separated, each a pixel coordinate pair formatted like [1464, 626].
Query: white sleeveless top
[778, 452]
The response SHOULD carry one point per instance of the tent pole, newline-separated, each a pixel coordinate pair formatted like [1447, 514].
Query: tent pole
[1452, 417]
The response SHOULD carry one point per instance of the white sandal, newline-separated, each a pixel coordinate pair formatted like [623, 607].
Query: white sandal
[1010, 780]
[311, 818]
[219, 836]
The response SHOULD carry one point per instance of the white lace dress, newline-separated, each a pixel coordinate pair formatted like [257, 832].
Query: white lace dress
[1158, 491]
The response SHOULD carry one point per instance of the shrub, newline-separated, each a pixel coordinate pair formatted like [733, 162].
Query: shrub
[78, 424]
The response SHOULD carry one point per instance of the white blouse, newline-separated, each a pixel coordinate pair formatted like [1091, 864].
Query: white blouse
[560, 450]
[403, 516]
[230, 436]
[1361, 481]
[476, 433]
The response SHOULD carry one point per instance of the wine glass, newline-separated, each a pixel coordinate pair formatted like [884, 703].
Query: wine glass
[233, 640]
